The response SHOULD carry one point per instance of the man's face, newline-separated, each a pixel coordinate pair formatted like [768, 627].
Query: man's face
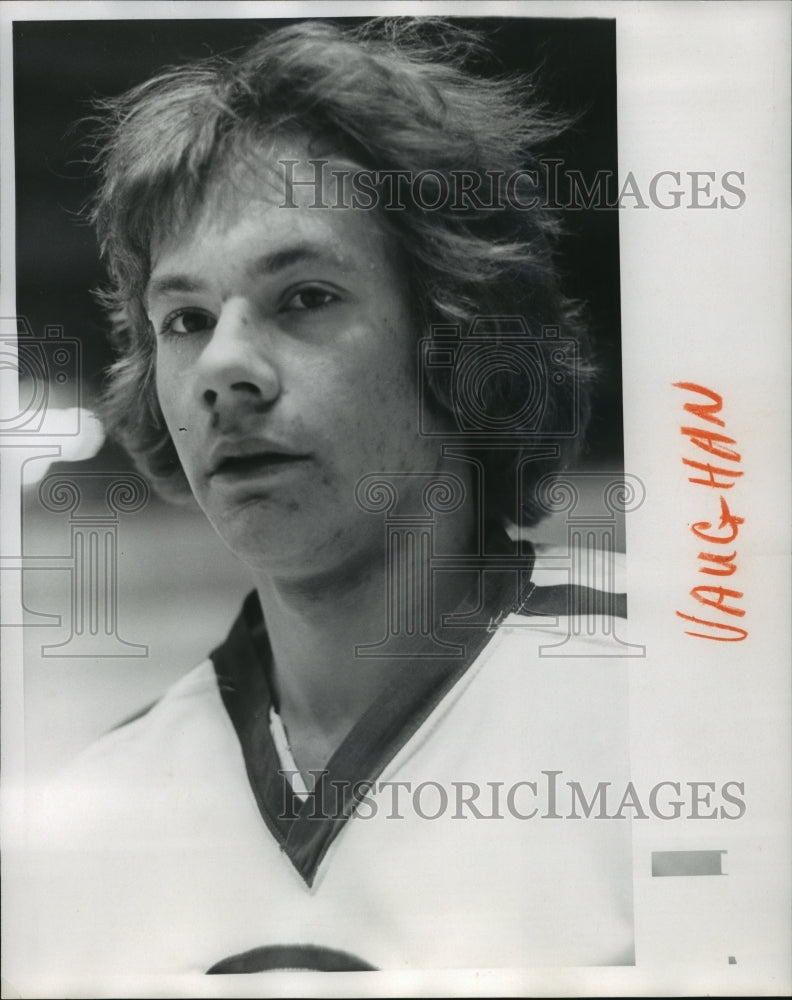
[286, 371]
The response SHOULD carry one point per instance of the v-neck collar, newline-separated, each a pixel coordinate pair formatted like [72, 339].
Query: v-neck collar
[306, 829]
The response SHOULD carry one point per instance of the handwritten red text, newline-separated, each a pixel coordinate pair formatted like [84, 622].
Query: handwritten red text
[719, 557]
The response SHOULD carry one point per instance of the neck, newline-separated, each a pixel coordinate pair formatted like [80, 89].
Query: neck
[321, 685]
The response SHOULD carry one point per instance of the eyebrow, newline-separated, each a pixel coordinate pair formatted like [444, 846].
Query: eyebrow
[266, 264]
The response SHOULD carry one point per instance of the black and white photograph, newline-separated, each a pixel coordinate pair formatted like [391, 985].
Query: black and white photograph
[396, 506]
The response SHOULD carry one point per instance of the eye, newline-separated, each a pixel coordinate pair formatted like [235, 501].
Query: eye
[182, 322]
[310, 298]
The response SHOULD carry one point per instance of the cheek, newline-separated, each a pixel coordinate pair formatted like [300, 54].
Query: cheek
[389, 428]
[173, 395]
[389, 366]
[170, 383]
[384, 397]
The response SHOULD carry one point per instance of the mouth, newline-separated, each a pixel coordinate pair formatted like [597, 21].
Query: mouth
[250, 466]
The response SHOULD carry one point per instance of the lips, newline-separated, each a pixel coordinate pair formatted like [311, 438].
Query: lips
[236, 457]
[254, 464]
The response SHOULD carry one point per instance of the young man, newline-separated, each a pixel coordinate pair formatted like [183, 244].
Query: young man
[342, 333]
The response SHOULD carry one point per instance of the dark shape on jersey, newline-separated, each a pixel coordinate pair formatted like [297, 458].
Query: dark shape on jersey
[293, 957]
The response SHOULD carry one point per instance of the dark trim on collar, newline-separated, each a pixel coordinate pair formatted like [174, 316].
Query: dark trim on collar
[241, 670]
[572, 600]
[305, 830]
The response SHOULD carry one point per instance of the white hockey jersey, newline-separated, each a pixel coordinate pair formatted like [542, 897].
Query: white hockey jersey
[454, 828]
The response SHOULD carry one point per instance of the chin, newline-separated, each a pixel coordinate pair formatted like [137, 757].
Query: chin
[269, 544]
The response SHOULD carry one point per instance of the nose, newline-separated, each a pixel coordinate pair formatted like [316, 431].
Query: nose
[237, 370]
